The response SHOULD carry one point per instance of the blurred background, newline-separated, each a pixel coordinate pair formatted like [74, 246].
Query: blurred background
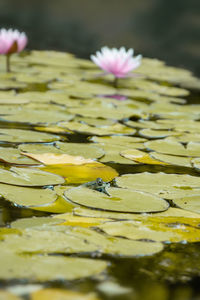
[164, 29]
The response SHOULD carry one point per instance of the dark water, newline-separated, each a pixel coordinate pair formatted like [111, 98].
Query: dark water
[165, 29]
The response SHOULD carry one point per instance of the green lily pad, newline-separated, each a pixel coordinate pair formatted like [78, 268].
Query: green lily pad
[106, 130]
[38, 117]
[191, 203]
[35, 222]
[154, 229]
[25, 136]
[126, 141]
[160, 184]
[172, 159]
[153, 87]
[86, 150]
[172, 212]
[116, 113]
[13, 156]
[46, 268]
[170, 146]
[122, 200]
[29, 177]
[150, 133]
[113, 145]
[27, 197]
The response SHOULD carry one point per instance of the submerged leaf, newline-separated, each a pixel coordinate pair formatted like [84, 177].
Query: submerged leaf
[59, 294]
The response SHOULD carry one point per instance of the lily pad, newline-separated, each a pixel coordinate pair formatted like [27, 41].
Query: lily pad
[77, 174]
[191, 203]
[28, 177]
[38, 117]
[86, 150]
[25, 136]
[170, 146]
[155, 229]
[55, 159]
[106, 130]
[172, 212]
[5, 295]
[13, 156]
[160, 184]
[46, 268]
[56, 294]
[172, 159]
[122, 200]
[28, 197]
[140, 157]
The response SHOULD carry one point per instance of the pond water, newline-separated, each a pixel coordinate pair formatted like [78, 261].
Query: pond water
[61, 127]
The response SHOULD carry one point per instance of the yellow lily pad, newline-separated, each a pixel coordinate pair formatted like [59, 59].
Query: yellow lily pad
[58, 159]
[155, 229]
[5, 295]
[59, 294]
[141, 157]
[77, 174]
[86, 150]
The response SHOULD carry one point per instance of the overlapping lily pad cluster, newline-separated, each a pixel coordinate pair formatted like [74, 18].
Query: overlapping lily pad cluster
[62, 126]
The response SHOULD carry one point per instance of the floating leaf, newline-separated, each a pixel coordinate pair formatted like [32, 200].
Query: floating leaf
[70, 220]
[28, 197]
[25, 136]
[34, 222]
[122, 200]
[56, 159]
[155, 229]
[112, 146]
[171, 212]
[13, 156]
[191, 203]
[28, 177]
[106, 130]
[172, 159]
[59, 294]
[140, 157]
[38, 117]
[4, 295]
[170, 146]
[86, 150]
[160, 184]
[46, 268]
[82, 173]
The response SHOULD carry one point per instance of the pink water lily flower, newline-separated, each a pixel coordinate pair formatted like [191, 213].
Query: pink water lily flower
[11, 41]
[117, 62]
